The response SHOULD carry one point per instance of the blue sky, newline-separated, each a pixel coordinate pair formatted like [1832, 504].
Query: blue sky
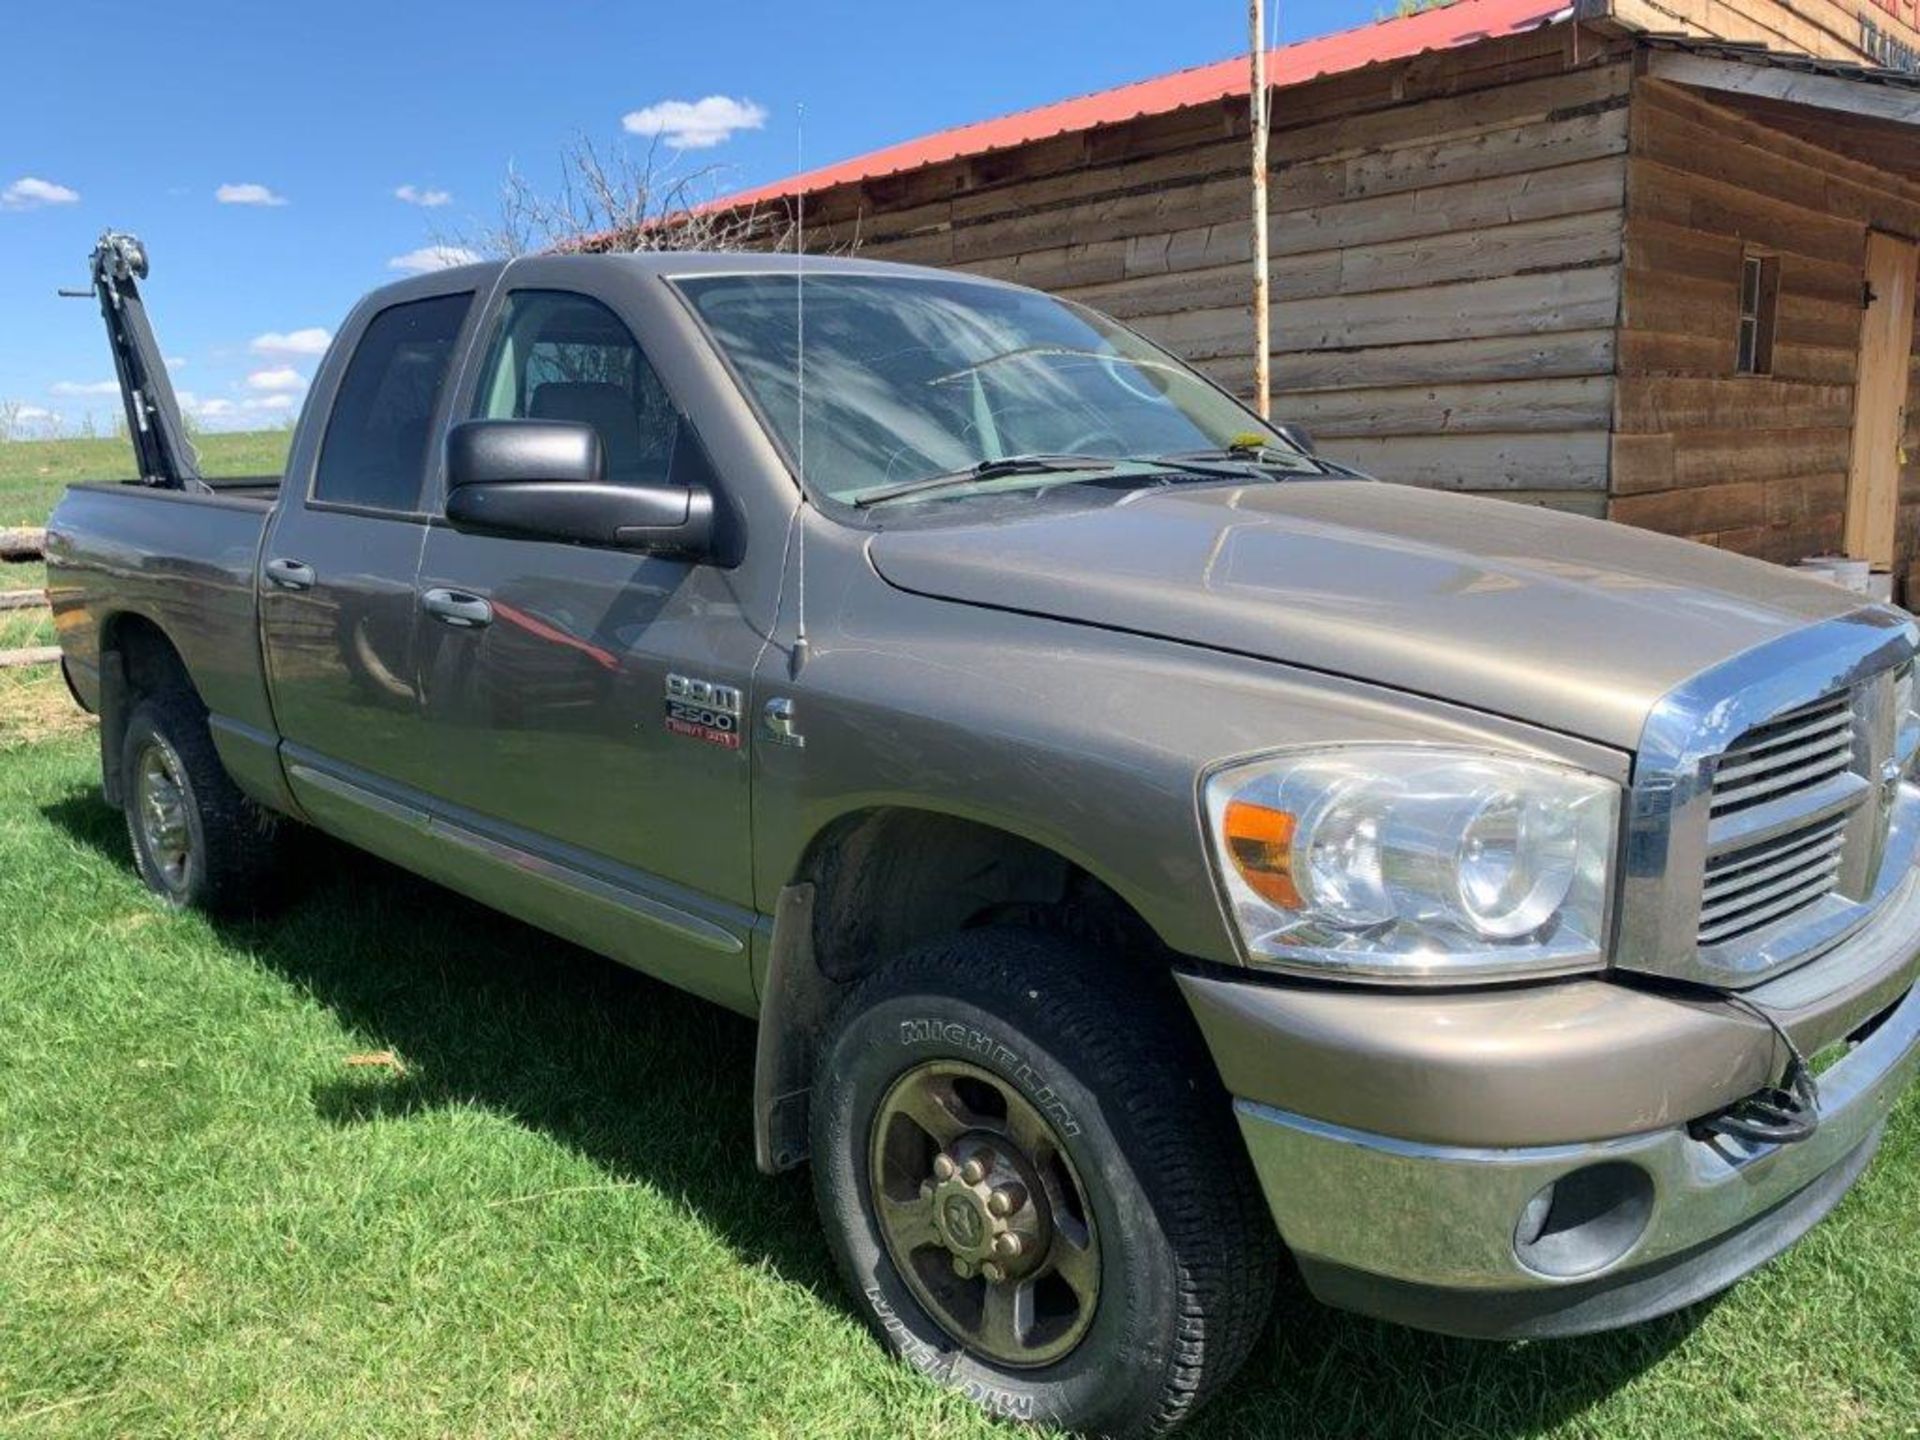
[310, 118]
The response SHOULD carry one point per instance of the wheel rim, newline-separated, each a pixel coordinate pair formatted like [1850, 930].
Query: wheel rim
[983, 1214]
[160, 803]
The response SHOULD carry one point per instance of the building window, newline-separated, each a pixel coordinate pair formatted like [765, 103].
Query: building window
[1759, 308]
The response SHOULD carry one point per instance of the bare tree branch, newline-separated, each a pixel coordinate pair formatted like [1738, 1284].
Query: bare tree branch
[611, 201]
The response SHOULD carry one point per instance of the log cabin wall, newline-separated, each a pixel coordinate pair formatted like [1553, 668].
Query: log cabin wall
[1753, 463]
[1873, 32]
[1445, 239]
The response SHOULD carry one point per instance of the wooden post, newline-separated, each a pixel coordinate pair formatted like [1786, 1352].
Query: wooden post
[1256, 28]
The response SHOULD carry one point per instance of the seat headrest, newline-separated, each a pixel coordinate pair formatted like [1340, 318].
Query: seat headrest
[610, 410]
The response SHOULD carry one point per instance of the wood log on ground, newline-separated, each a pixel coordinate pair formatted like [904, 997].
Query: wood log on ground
[22, 600]
[34, 655]
[24, 543]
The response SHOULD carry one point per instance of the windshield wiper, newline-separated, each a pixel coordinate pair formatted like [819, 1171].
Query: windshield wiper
[986, 470]
[1268, 456]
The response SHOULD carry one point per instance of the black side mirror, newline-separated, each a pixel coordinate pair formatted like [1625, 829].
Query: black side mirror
[546, 480]
[1296, 435]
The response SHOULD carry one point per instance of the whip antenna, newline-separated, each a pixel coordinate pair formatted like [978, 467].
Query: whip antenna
[799, 655]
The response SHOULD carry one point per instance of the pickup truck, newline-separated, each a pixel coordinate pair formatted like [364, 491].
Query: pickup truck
[1145, 849]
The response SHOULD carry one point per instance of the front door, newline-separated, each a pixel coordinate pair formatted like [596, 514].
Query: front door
[1880, 398]
[549, 674]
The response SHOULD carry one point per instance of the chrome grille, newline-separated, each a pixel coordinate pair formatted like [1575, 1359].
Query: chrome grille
[1761, 825]
[1757, 885]
[1791, 753]
[1775, 843]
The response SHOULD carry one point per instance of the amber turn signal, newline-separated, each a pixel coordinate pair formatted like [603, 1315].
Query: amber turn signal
[1260, 840]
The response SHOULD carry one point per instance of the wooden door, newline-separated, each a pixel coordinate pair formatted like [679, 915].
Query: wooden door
[1880, 398]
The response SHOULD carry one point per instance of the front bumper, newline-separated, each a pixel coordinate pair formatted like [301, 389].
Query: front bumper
[1424, 1230]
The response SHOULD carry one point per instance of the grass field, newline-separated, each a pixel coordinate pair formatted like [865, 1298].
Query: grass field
[383, 1164]
[34, 472]
[386, 1165]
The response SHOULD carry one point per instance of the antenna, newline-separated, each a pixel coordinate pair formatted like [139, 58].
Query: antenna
[799, 656]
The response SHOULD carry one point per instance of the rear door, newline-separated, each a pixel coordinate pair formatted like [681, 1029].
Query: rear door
[338, 569]
[560, 757]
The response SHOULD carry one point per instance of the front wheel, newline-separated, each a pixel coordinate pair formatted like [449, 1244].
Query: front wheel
[1028, 1173]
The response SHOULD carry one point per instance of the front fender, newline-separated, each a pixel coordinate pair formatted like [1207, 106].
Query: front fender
[1088, 742]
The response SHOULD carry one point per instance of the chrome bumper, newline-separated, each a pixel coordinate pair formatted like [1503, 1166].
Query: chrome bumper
[1426, 1233]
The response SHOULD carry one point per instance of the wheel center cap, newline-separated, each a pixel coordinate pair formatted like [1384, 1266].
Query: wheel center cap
[984, 1211]
[963, 1221]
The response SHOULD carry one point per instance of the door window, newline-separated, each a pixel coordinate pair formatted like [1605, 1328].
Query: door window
[375, 451]
[560, 356]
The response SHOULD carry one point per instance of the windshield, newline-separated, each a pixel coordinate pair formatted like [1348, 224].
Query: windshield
[910, 378]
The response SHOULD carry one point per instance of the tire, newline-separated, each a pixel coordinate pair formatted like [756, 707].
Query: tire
[213, 849]
[1181, 1243]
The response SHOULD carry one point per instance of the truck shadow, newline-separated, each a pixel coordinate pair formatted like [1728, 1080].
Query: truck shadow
[654, 1086]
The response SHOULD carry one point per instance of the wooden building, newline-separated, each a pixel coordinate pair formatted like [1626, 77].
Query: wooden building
[1606, 259]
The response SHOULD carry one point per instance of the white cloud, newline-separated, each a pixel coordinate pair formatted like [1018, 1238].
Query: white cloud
[415, 195]
[248, 194]
[695, 124]
[280, 378]
[432, 257]
[84, 387]
[176, 362]
[221, 413]
[35, 417]
[311, 341]
[212, 408]
[30, 192]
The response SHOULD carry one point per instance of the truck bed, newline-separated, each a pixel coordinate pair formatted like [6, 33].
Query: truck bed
[258, 489]
[184, 560]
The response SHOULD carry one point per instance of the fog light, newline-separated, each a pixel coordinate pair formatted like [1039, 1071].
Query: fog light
[1584, 1221]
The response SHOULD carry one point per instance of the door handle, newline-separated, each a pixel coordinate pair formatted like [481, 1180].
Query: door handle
[290, 574]
[457, 608]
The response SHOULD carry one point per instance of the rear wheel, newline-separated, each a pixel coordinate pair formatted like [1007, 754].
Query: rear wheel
[197, 840]
[1029, 1176]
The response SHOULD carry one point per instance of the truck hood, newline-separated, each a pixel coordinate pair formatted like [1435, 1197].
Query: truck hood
[1565, 622]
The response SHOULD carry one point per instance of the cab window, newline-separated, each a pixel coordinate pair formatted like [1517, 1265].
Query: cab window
[560, 356]
[374, 454]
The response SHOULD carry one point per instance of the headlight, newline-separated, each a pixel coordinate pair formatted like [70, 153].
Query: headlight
[1415, 863]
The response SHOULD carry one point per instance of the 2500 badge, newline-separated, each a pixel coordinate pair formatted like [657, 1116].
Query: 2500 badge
[703, 710]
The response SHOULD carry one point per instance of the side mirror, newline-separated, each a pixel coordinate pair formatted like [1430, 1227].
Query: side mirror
[546, 480]
[1296, 435]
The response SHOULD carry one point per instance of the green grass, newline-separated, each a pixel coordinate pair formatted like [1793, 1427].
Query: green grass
[543, 1218]
[34, 472]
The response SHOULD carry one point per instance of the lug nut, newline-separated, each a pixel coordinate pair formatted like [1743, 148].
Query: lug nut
[962, 1268]
[943, 1166]
[993, 1272]
[926, 1189]
[1004, 1201]
[1006, 1245]
[973, 1172]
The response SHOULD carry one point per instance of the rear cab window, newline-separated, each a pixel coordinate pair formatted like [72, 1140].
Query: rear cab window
[378, 438]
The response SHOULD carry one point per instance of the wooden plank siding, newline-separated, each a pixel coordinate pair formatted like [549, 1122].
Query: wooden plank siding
[1445, 253]
[1754, 463]
[1831, 29]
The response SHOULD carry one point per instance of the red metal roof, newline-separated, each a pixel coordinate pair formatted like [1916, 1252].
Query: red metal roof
[1460, 23]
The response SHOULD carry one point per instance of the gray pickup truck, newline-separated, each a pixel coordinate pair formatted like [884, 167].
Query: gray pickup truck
[1144, 847]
